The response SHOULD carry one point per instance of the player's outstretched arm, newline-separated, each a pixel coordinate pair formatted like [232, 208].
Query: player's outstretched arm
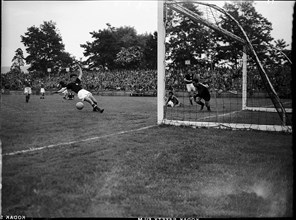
[80, 72]
[60, 91]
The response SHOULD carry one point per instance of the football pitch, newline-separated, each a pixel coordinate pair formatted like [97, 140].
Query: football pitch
[58, 161]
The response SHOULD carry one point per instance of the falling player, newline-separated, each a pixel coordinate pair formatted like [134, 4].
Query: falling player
[84, 95]
[67, 95]
[172, 100]
[27, 90]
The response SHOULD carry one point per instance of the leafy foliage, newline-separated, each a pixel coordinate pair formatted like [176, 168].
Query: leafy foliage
[120, 48]
[17, 60]
[129, 57]
[45, 48]
[150, 52]
[186, 39]
[257, 28]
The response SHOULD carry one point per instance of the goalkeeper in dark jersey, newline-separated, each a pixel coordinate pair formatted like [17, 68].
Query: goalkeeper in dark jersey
[202, 92]
[84, 95]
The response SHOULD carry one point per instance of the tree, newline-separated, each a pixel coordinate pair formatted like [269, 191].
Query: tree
[150, 52]
[116, 48]
[278, 68]
[102, 51]
[45, 48]
[257, 28]
[17, 60]
[187, 40]
[129, 58]
[278, 54]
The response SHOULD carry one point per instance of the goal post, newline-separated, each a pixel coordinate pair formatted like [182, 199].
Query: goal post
[160, 62]
[244, 86]
[230, 110]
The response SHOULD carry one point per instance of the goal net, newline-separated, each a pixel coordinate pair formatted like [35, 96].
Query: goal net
[243, 95]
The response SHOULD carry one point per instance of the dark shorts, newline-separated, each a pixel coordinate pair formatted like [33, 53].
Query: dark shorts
[206, 96]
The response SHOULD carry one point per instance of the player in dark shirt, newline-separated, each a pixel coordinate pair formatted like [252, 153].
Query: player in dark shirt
[69, 95]
[172, 101]
[84, 95]
[189, 85]
[202, 93]
[27, 90]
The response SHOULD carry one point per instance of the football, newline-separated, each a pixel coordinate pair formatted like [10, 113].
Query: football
[79, 105]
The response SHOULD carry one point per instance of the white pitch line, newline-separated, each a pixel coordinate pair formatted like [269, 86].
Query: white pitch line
[74, 142]
[212, 116]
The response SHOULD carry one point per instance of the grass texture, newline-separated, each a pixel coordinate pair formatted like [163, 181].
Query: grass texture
[111, 169]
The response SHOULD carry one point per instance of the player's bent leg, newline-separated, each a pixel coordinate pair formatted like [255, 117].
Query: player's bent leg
[85, 95]
[93, 99]
[93, 104]
[200, 103]
[191, 98]
[96, 103]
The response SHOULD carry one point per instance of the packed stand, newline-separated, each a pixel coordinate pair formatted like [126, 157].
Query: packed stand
[134, 81]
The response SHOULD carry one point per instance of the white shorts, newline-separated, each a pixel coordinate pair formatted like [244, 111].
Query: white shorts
[42, 90]
[190, 87]
[28, 90]
[65, 92]
[82, 94]
[170, 103]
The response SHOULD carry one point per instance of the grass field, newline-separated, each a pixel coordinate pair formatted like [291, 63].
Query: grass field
[61, 162]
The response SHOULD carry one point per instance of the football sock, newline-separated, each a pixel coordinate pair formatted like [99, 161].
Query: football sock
[190, 99]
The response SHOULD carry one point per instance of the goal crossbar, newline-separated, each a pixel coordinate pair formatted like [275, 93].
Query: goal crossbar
[278, 106]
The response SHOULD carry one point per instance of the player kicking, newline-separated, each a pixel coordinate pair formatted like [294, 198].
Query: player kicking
[202, 93]
[84, 95]
[27, 90]
[67, 95]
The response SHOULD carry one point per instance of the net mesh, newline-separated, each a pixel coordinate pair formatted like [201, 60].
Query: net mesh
[225, 84]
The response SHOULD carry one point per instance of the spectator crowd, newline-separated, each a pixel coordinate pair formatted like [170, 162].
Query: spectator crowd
[138, 81]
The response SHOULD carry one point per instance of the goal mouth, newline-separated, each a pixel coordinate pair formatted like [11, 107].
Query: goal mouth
[234, 103]
[227, 112]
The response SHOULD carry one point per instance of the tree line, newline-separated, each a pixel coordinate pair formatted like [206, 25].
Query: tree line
[122, 48]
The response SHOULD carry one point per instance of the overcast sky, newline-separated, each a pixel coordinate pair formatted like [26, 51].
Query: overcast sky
[75, 19]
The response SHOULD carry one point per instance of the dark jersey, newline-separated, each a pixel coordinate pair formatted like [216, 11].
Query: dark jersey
[189, 77]
[203, 92]
[75, 86]
[173, 99]
[62, 84]
[27, 83]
